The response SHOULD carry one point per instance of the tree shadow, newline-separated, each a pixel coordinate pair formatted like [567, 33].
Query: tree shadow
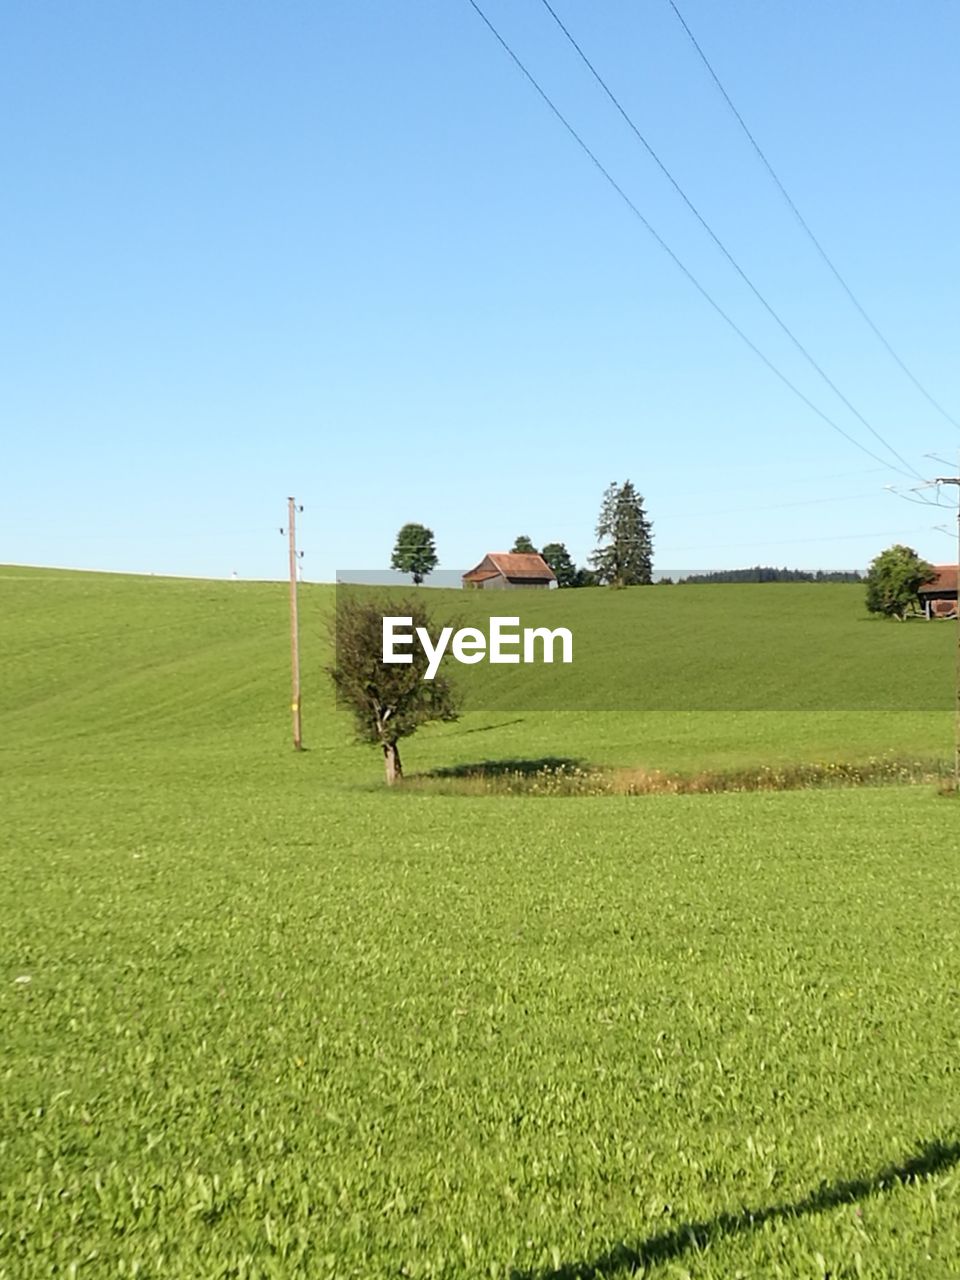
[500, 768]
[934, 1157]
[488, 728]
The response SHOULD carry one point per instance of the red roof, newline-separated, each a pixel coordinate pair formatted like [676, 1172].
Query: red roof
[946, 579]
[520, 566]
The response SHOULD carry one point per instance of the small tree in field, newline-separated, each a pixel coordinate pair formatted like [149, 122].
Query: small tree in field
[894, 581]
[415, 552]
[389, 701]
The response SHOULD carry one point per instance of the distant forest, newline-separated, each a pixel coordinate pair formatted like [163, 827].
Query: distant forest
[763, 573]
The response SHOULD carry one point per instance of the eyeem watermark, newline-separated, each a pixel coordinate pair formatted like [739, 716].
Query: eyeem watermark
[470, 645]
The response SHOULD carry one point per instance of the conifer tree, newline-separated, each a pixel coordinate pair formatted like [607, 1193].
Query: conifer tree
[625, 556]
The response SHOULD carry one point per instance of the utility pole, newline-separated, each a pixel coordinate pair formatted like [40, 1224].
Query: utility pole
[292, 509]
[956, 737]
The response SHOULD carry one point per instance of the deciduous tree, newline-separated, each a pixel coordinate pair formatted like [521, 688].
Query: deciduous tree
[415, 552]
[894, 580]
[389, 701]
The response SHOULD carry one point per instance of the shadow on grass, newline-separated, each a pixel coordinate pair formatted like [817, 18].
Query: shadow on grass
[934, 1157]
[503, 768]
[488, 728]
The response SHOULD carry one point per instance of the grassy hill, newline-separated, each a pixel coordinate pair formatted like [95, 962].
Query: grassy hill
[774, 646]
[668, 677]
[263, 1018]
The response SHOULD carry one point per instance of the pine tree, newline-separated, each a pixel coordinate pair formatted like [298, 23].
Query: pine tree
[625, 556]
[523, 545]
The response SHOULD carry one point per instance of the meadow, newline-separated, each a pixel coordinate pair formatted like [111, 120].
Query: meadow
[264, 1018]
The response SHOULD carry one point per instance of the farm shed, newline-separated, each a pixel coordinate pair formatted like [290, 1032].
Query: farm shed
[500, 569]
[939, 596]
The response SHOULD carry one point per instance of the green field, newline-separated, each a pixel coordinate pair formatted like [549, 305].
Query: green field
[779, 647]
[262, 1017]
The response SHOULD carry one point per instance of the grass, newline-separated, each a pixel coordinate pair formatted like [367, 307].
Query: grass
[731, 648]
[262, 1018]
[553, 778]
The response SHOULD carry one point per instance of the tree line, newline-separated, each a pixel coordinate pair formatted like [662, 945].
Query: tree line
[766, 573]
[623, 558]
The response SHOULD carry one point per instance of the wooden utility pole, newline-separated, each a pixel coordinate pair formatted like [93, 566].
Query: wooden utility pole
[292, 510]
[956, 732]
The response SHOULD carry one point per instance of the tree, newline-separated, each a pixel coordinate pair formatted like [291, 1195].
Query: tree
[415, 552]
[523, 544]
[389, 701]
[894, 580]
[585, 578]
[625, 558]
[558, 558]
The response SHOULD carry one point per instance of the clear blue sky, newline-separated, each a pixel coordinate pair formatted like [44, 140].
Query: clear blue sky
[344, 251]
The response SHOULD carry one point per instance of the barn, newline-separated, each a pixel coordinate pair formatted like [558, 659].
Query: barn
[504, 569]
[939, 596]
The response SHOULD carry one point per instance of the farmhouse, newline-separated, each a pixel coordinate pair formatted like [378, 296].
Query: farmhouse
[939, 596]
[501, 569]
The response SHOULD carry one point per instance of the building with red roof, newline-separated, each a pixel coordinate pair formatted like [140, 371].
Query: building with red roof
[939, 595]
[499, 569]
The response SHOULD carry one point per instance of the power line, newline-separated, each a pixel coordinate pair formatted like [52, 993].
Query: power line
[718, 242]
[920, 502]
[917, 489]
[818, 478]
[806, 226]
[705, 294]
[789, 542]
[710, 514]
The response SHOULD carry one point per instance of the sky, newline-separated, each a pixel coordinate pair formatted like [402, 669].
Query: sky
[345, 252]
